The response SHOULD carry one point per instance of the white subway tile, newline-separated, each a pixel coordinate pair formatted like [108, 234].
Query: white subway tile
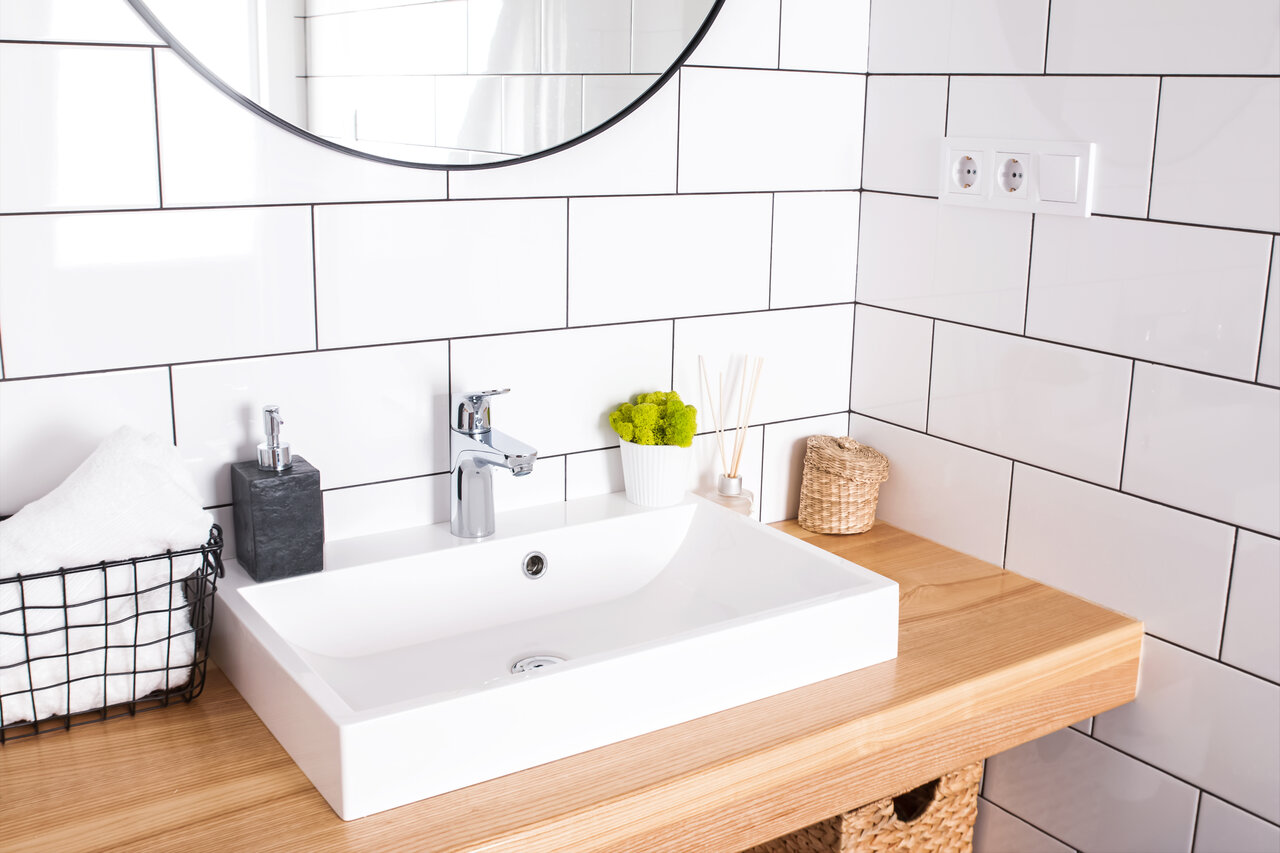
[743, 35]
[1206, 123]
[1201, 721]
[469, 113]
[806, 360]
[1252, 637]
[783, 466]
[743, 130]
[891, 356]
[1223, 828]
[1269, 353]
[661, 30]
[998, 831]
[333, 104]
[714, 256]
[73, 21]
[954, 495]
[825, 35]
[1158, 37]
[94, 291]
[906, 120]
[49, 426]
[379, 507]
[605, 95]
[923, 257]
[77, 128]
[815, 248]
[360, 415]
[1176, 414]
[1139, 289]
[564, 383]
[982, 36]
[637, 155]
[543, 485]
[586, 36]
[398, 272]
[1162, 566]
[539, 112]
[1092, 797]
[503, 36]
[214, 151]
[1049, 405]
[595, 472]
[1118, 113]
[419, 38]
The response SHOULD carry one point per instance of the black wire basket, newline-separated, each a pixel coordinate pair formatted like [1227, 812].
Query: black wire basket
[93, 643]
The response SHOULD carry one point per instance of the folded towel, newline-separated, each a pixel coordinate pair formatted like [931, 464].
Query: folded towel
[95, 638]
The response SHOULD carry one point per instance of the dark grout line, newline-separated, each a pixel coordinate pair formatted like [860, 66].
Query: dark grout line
[1071, 346]
[1048, 23]
[1268, 295]
[1054, 471]
[1226, 603]
[1008, 518]
[155, 106]
[1155, 140]
[1172, 775]
[1128, 419]
[1019, 818]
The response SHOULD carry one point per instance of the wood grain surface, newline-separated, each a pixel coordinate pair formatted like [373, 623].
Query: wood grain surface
[987, 660]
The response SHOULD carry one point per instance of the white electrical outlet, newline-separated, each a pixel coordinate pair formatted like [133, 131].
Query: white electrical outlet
[1012, 177]
[1007, 174]
[965, 171]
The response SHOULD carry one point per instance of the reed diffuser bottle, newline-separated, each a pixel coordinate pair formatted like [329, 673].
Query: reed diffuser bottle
[728, 491]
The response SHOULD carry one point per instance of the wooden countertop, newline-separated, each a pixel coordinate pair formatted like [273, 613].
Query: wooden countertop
[987, 659]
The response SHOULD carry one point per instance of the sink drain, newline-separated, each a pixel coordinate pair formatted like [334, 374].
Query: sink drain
[535, 662]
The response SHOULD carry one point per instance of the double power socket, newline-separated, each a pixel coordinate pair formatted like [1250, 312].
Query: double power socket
[1018, 174]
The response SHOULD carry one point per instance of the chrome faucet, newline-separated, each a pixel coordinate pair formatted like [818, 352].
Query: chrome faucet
[475, 449]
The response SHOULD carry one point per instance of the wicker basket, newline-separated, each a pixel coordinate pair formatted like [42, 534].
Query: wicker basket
[841, 485]
[934, 818]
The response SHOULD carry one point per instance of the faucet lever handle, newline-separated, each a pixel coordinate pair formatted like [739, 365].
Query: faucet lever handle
[472, 410]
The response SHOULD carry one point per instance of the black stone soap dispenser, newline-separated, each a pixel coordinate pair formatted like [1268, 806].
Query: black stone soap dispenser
[278, 510]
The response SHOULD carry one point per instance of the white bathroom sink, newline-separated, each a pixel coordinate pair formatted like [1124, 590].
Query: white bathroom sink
[388, 677]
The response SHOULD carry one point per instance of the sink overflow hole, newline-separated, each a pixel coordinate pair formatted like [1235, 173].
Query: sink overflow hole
[535, 662]
[535, 564]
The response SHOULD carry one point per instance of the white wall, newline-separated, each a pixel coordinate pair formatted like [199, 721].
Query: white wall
[1093, 402]
[169, 260]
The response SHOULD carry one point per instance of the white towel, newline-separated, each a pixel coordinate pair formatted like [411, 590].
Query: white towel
[112, 636]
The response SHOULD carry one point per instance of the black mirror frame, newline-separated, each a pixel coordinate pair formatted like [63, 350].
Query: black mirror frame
[177, 47]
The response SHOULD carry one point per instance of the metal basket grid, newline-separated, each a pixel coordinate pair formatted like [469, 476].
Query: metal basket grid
[50, 610]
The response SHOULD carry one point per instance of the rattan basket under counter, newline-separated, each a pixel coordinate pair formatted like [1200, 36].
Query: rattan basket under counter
[841, 485]
[935, 818]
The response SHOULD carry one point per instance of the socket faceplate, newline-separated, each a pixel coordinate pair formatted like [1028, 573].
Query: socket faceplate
[1028, 175]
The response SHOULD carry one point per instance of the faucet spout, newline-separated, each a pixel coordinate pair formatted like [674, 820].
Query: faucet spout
[475, 450]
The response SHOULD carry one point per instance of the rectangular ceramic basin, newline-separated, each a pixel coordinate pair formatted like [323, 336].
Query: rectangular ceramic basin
[388, 676]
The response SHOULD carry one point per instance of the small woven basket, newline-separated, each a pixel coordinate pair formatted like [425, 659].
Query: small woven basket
[840, 485]
[934, 818]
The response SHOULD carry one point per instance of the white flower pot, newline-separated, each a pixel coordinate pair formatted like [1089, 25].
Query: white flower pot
[655, 474]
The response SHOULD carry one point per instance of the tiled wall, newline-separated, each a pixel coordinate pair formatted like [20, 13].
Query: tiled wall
[169, 260]
[1091, 402]
[1094, 402]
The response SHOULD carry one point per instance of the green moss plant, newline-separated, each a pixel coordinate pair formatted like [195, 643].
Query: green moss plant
[657, 418]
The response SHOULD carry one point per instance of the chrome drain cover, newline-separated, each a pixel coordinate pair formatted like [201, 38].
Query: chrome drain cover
[535, 662]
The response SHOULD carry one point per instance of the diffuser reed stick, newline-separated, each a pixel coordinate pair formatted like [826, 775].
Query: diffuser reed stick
[746, 399]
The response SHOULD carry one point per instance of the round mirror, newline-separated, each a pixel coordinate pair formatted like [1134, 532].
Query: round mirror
[436, 84]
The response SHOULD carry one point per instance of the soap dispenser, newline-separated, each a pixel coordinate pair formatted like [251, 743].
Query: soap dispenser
[278, 510]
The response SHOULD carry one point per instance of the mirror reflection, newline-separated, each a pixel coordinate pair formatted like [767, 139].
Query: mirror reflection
[438, 82]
